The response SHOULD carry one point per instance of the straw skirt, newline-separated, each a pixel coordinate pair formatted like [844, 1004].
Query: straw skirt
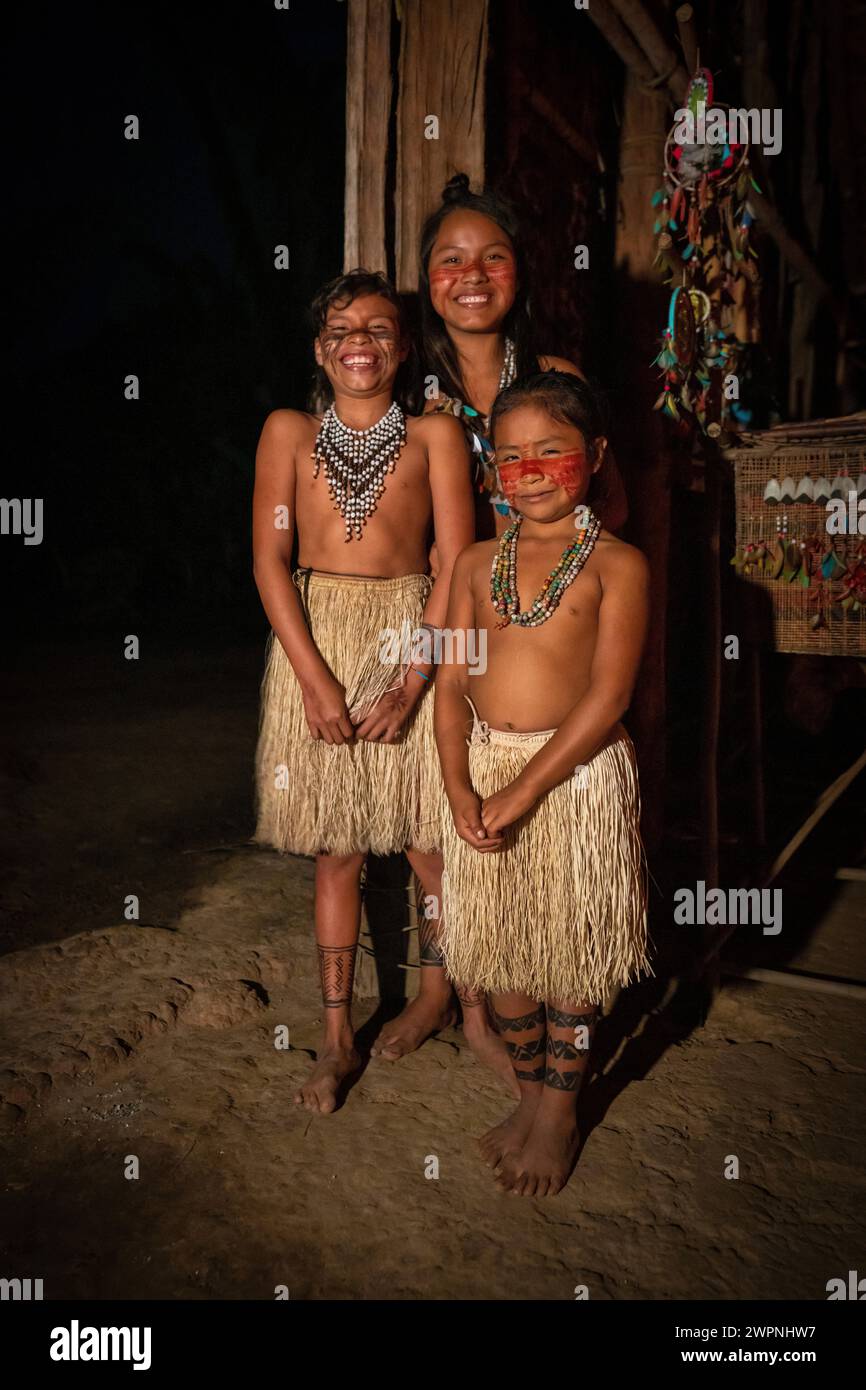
[315, 797]
[559, 913]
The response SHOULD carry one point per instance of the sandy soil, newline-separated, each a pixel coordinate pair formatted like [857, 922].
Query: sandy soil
[158, 1041]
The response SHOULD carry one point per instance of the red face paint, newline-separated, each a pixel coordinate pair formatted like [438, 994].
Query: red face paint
[500, 272]
[568, 471]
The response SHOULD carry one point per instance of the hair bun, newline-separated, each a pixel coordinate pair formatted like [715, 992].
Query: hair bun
[456, 188]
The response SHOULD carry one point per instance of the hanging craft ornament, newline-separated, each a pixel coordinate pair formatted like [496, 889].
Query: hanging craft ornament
[357, 463]
[503, 575]
[703, 221]
[678, 348]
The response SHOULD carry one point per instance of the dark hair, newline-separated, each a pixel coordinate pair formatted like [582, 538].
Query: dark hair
[340, 292]
[572, 401]
[439, 355]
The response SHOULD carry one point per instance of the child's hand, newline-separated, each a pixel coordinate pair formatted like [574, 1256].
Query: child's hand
[505, 807]
[466, 811]
[386, 719]
[325, 709]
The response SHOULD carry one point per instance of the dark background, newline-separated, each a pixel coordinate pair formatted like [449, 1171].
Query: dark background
[155, 257]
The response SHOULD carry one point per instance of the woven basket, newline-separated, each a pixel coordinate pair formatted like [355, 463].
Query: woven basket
[826, 449]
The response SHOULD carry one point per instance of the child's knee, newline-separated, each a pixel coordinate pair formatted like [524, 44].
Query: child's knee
[338, 865]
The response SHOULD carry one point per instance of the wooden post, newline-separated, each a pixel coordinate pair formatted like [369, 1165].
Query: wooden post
[440, 113]
[688, 36]
[711, 713]
[653, 43]
[368, 108]
[642, 447]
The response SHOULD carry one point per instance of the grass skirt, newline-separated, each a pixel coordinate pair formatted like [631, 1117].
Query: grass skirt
[560, 912]
[315, 797]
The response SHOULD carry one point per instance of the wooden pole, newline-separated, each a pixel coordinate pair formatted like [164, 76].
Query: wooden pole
[756, 745]
[642, 445]
[440, 113]
[792, 979]
[368, 108]
[688, 36]
[711, 714]
[667, 66]
[828, 798]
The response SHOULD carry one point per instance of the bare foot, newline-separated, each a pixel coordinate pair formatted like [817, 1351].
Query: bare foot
[510, 1136]
[334, 1063]
[421, 1017]
[488, 1046]
[545, 1163]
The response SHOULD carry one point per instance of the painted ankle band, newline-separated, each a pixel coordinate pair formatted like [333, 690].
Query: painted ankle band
[561, 1018]
[337, 969]
[561, 1050]
[563, 1080]
[536, 1019]
[526, 1051]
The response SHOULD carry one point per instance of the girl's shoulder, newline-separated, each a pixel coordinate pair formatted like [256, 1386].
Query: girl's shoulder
[621, 561]
[443, 405]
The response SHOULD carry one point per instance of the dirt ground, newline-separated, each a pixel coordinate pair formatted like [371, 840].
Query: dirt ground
[156, 1039]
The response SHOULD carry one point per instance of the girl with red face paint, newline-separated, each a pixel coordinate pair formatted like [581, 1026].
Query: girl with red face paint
[476, 338]
[544, 886]
[477, 334]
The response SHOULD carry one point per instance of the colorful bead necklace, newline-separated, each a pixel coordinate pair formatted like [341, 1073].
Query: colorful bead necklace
[503, 574]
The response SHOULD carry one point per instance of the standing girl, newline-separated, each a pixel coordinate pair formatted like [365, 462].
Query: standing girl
[477, 333]
[477, 337]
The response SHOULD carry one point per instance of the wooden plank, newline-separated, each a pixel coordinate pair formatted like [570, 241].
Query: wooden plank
[822, 806]
[790, 979]
[368, 107]
[443, 55]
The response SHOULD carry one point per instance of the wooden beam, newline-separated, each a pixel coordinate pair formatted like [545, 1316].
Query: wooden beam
[667, 65]
[798, 979]
[368, 108]
[643, 444]
[685, 17]
[820, 809]
[443, 55]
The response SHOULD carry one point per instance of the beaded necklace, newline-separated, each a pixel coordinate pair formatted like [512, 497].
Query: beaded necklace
[503, 574]
[479, 431]
[357, 463]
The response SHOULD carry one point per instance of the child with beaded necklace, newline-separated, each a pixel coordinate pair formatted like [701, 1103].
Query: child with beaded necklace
[346, 761]
[544, 903]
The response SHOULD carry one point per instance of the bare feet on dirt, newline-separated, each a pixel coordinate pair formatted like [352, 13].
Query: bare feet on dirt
[335, 1063]
[546, 1162]
[509, 1137]
[421, 1018]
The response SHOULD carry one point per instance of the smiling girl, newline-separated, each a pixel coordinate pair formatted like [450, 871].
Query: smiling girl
[476, 337]
[544, 905]
[477, 333]
[346, 762]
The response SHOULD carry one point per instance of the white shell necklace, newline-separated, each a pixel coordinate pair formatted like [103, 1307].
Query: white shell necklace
[357, 463]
